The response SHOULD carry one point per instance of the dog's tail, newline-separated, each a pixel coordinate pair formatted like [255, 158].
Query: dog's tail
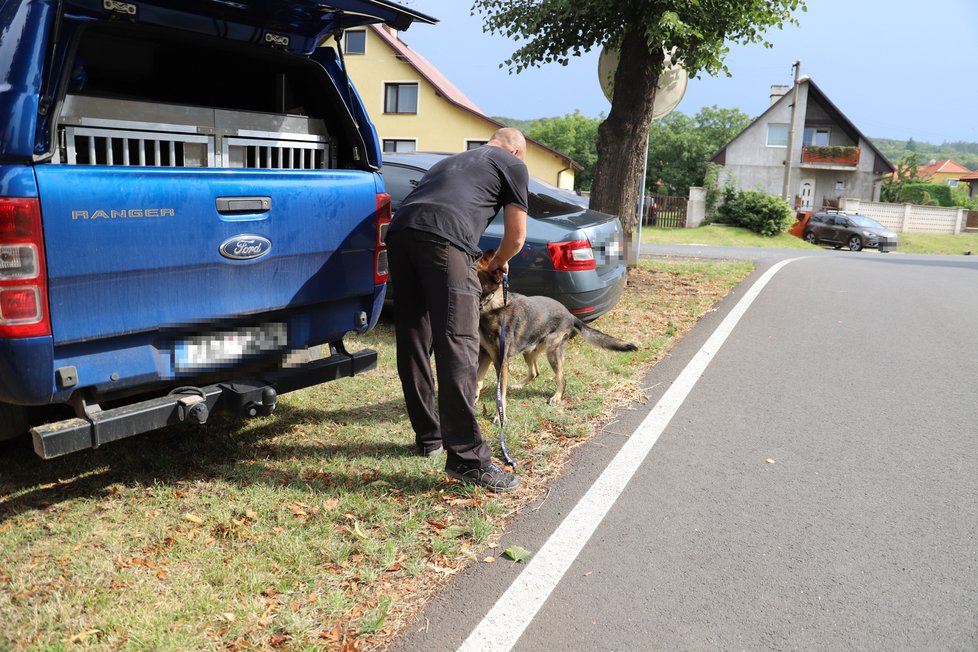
[605, 341]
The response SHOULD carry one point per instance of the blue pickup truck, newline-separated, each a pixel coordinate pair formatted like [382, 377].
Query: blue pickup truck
[191, 217]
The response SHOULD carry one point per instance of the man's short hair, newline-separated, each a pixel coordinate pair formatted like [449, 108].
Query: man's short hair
[510, 136]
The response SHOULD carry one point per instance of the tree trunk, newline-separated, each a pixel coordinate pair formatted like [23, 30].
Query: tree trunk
[623, 136]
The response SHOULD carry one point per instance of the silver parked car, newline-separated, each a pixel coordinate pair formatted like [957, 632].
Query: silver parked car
[572, 254]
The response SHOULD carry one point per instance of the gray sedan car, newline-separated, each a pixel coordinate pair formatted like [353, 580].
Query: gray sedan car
[853, 231]
[572, 254]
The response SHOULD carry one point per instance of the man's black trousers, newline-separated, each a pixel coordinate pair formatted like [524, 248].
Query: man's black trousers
[436, 309]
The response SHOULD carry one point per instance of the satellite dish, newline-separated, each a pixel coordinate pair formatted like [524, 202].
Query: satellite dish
[668, 92]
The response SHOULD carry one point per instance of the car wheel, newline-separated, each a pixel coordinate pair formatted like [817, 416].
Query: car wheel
[810, 238]
[855, 243]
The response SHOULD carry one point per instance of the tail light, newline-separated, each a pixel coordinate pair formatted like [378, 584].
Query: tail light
[383, 222]
[573, 256]
[23, 276]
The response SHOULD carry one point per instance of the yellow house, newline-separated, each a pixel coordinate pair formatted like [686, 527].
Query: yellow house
[415, 108]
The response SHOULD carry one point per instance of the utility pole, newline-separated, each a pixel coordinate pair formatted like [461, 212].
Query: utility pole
[785, 193]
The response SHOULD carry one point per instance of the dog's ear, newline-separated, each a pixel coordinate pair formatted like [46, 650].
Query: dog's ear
[483, 262]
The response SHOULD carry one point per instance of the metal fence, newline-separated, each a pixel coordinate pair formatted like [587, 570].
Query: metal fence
[665, 211]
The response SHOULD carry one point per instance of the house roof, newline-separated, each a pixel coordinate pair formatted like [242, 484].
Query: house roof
[882, 165]
[971, 176]
[947, 166]
[447, 89]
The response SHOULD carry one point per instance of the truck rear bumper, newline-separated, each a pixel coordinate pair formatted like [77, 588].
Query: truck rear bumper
[245, 397]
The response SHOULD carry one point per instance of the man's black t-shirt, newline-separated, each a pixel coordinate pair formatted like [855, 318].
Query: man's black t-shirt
[458, 197]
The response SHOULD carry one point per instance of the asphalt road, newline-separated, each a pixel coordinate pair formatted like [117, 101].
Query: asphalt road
[814, 486]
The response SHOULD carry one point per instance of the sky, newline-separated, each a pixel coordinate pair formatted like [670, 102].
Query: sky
[899, 69]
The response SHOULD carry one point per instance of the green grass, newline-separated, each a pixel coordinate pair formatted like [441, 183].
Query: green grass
[732, 236]
[721, 236]
[310, 529]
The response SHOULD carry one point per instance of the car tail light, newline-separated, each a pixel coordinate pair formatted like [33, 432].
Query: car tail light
[383, 222]
[573, 256]
[23, 279]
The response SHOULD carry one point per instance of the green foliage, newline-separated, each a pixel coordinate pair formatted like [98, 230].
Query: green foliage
[831, 151]
[715, 193]
[680, 147]
[907, 171]
[929, 194]
[575, 135]
[757, 211]
[965, 153]
[959, 197]
[553, 31]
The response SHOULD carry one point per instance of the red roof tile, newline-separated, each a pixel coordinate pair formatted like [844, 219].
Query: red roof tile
[947, 166]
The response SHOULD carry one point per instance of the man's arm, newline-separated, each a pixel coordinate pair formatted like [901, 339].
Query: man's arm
[514, 234]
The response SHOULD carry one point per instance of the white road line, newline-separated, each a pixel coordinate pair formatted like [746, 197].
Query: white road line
[511, 615]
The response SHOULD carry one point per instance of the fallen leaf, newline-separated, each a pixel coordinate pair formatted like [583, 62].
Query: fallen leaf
[193, 518]
[333, 635]
[453, 531]
[516, 553]
[489, 560]
[332, 503]
[771, 461]
[312, 598]
[229, 616]
[252, 514]
[358, 532]
[81, 637]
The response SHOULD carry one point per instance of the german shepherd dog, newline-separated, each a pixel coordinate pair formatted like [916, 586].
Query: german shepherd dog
[534, 326]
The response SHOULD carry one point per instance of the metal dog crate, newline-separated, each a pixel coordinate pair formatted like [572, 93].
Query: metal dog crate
[102, 131]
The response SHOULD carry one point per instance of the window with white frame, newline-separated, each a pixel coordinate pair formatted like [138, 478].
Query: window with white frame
[777, 135]
[399, 145]
[953, 183]
[355, 41]
[400, 97]
[472, 144]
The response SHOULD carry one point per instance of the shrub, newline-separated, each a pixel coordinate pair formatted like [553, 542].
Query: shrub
[757, 211]
[926, 193]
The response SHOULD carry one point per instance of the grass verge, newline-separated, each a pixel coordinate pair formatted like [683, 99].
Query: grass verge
[312, 529]
[731, 236]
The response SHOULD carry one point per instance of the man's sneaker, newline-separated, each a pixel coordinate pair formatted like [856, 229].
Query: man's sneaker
[489, 476]
[429, 452]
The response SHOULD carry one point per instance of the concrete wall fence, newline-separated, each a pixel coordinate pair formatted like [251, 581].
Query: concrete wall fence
[909, 218]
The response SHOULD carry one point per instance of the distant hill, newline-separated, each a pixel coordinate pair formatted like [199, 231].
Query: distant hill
[522, 125]
[960, 152]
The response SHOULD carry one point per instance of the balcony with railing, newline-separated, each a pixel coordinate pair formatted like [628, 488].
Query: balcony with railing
[830, 156]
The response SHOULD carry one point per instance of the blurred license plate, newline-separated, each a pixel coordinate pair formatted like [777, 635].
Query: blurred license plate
[224, 348]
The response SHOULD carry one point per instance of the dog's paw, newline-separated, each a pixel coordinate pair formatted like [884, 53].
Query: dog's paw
[555, 399]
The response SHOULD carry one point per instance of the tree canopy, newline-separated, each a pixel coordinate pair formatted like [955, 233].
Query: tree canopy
[694, 32]
[680, 147]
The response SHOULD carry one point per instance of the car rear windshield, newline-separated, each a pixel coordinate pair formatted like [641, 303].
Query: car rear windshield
[549, 201]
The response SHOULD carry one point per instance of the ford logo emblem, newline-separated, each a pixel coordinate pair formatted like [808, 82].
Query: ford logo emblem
[245, 247]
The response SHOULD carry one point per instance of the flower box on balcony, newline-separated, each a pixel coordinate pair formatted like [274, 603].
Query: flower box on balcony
[834, 155]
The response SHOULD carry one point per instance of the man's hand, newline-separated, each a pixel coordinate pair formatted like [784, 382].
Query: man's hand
[498, 267]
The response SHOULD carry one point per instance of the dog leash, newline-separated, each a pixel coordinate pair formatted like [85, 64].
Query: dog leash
[499, 378]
